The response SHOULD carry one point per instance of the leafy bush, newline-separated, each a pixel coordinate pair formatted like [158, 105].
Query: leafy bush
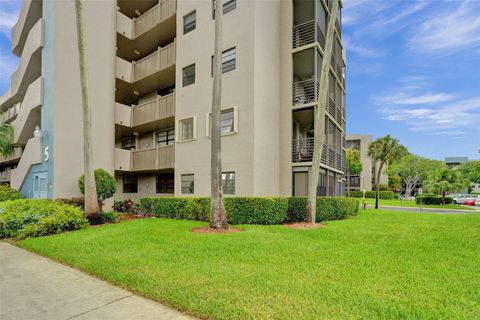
[77, 202]
[386, 195]
[7, 193]
[109, 217]
[31, 218]
[383, 187]
[124, 206]
[250, 210]
[105, 184]
[430, 199]
[328, 208]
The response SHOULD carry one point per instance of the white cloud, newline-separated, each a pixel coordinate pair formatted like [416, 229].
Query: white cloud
[448, 31]
[365, 51]
[406, 99]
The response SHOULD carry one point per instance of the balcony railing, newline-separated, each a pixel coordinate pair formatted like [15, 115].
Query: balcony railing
[162, 107]
[302, 151]
[154, 16]
[16, 154]
[154, 62]
[307, 33]
[5, 176]
[9, 114]
[305, 91]
[153, 159]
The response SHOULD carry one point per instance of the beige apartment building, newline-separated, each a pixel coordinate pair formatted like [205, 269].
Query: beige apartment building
[150, 76]
[366, 179]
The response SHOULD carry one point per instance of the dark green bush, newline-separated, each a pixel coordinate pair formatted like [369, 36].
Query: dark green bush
[250, 210]
[124, 206]
[432, 199]
[7, 193]
[31, 218]
[77, 202]
[105, 183]
[383, 187]
[328, 208]
[386, 195]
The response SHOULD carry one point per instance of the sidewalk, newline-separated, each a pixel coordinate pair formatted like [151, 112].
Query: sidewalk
[426, 210]
[33, 287]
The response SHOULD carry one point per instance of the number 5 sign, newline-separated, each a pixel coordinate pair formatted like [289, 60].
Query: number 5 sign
[46, 154]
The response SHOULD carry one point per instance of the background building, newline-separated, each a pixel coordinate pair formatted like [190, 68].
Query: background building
[366, 179]
[150, 79]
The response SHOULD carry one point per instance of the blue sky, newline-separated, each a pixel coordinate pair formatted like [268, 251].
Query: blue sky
[413, 71]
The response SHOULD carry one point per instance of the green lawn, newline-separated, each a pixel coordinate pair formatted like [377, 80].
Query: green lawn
[378, 265]
[411, 203]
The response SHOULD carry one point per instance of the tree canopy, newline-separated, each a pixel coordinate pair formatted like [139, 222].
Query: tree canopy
[354, 165]
[442, 181]
[471, 171]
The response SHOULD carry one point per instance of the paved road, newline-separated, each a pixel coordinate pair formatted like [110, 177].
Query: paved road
[33, 287]
[426, 210]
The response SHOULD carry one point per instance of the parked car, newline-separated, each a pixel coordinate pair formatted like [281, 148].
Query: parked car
[469, 203]
[464, 197]
[477, 202]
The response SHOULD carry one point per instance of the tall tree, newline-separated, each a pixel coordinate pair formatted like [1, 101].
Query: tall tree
[218, 218]
[471, 171]
[319, 127]
[91, 199]
[6, 139]
[445, 180]
[384, 151]
[353, 164]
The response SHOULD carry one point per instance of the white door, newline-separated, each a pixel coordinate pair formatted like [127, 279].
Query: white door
[40, 185]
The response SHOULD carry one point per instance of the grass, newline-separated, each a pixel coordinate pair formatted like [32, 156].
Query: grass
[411, 203]
[378, 265]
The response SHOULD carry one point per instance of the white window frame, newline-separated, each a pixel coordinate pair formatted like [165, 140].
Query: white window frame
[181, 183]
[208, 121]
[179, 128]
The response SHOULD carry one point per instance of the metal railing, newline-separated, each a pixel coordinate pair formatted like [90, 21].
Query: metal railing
[307, 33]
[305, 91]
[302, 151]
[154, 16]
[154, 62]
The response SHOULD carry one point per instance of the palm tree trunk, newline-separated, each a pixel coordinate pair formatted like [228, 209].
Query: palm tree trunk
[91, 198]
[377, 186]
[319, 134]
[218, 219]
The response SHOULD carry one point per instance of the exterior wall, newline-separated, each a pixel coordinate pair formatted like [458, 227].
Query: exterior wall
[146, 188]
[195, 100]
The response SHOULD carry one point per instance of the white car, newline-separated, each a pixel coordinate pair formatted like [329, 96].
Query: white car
[464, 197]
[477, 202]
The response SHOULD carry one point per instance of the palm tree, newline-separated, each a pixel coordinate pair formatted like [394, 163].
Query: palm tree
[384, 151]
[6, 139]
[91, 199]
[218, 218]
[319, 135]
[445, 180]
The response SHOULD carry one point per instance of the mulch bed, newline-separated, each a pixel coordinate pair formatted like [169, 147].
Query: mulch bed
[211, 230]
[304, 225]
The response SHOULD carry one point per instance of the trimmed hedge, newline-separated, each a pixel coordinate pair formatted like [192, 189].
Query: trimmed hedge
[386, 195]
[32, 218]
[251, 210]
[7, 193]
[430, 199]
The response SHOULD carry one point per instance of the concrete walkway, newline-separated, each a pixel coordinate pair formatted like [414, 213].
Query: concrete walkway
[33, 287]
[426, 210]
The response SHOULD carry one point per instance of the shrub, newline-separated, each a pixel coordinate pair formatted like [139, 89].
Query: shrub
[383, 187]
[386, 195]
[124, 206]
[31, 218]
[7, 193]
[105, 184]
[250, 210]
[432, 199]
[77, 202]
[328, 208]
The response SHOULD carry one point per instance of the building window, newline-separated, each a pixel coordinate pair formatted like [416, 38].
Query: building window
[165, 183]
[187, 129]
[128, 143]
[189, 75]
[228, 182]
[165, 137]
[229, 60]
[189, 22]
[188, 184]
[228, 5]
[130, 184]
[228, 121]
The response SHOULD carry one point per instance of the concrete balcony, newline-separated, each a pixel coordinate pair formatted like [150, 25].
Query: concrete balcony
[13, 157]
[123, 159]
[29, 115]
[145, 160]
[151, 113]
[30, 13]
[31, 155]
[29, 68]
[11, 114]
[155, 71]
[5, 176]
